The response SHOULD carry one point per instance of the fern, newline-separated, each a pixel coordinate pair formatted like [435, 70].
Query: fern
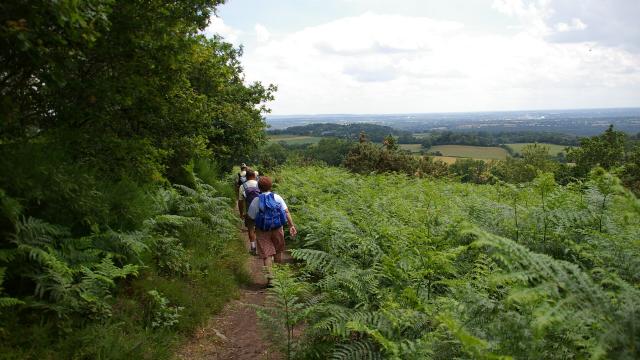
[285, 309]
[71, 276]
[318, 260]
[410, 269]
[6, 301]
[360, 350]
[562, 295]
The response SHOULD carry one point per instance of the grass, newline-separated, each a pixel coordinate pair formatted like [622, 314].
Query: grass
[554, 149]
[294, 139]
[473, 152]
[414, 148]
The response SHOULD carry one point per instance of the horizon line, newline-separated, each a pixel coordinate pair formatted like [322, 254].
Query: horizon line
[455, 112]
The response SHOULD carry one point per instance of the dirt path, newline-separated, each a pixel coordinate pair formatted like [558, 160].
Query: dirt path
[234, 333]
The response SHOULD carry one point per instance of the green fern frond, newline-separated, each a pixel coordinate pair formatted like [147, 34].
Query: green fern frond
[356, 350]
[6, 255]
[35, 231]
[7, 301]
[318, 260]
[187, 191]
[474, 346]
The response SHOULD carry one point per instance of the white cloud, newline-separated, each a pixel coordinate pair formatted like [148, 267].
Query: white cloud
[389, 63]
[262, 34]
[608, 22]
[575, 24]
[532, 14]
[218, 27]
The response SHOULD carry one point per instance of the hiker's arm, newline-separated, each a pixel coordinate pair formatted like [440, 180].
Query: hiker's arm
[241, 199]
[292, 228]
[241, 208]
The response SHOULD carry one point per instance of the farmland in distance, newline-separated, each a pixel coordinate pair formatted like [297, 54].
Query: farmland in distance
[294, 139]
[473, 152]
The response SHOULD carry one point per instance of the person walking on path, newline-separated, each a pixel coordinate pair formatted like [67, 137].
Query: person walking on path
[270, 213]
[242, 175]
[247, 192]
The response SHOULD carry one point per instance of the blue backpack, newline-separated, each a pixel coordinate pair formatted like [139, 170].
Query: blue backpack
[271, 215]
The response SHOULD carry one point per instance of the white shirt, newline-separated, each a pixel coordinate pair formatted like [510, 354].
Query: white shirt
[241, 193]
[255, 205]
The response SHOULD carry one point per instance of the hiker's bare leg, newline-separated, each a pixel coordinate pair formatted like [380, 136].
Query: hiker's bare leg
[268, 264]
[278, 257]
[252, 238]
[268, 261]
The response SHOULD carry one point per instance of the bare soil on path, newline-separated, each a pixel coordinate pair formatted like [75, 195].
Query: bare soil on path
[234, 333]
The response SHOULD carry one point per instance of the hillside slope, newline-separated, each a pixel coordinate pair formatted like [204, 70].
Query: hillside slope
[398, 267]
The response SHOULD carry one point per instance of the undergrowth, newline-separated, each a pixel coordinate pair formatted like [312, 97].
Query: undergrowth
[397, 267]
[116, 294]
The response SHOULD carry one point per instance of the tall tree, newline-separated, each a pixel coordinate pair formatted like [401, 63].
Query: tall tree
[130, 87]
[606, 150]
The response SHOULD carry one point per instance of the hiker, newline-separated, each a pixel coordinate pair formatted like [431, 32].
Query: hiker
[242, 175]
[248, 191]
[270, 213]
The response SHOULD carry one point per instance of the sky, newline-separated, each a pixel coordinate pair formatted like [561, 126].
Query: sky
[420, 56]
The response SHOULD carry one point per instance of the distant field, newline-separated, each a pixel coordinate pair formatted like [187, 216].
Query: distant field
[294, 139]
[414, 148]
[553, 148]
[446, 159]
[473, 152]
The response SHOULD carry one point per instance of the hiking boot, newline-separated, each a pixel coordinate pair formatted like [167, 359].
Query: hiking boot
[253, 252]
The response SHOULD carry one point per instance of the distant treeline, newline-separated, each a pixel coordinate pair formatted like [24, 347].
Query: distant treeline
[481, 138]
[377, 133]
[612, 150]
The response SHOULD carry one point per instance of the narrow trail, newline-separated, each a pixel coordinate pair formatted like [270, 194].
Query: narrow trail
[234, 333]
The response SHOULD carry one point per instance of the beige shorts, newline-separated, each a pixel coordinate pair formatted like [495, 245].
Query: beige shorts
[270, 242]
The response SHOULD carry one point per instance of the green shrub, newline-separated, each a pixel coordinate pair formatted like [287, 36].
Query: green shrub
[170, 256]
[271, 156]
[159, 313]
[367, 157]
